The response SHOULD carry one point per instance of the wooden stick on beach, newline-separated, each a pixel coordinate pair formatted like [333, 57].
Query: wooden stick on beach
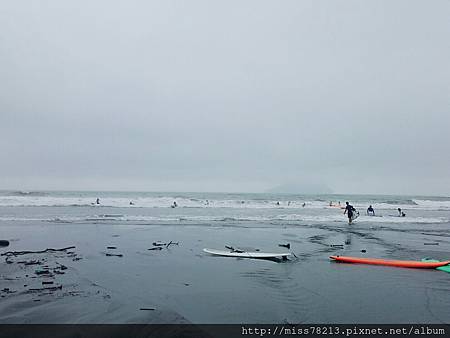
[18, 253]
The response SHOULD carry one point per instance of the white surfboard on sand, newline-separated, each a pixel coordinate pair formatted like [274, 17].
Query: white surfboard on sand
[247, 254]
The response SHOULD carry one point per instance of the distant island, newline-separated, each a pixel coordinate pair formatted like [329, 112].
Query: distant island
[300, 188]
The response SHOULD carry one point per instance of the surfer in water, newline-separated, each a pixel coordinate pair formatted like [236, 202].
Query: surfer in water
[349, 210]
[401, 213]
[97, 201]
[370, 211]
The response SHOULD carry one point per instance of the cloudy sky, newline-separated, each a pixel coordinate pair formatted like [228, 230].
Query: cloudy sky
[225, 95]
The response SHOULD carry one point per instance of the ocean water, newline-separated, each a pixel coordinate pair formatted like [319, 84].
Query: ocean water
[216, 208]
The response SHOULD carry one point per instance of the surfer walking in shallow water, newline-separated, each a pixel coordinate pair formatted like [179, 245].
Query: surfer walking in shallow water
[349, 210]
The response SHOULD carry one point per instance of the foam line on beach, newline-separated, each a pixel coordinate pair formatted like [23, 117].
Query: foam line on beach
[180, 219]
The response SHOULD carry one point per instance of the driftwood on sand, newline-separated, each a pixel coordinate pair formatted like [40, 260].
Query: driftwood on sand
[32, 262]
[165, 244]
[234, 249]
[159, 246]
[18, 253]
[50, 288]
[287, 245]
[113, 255]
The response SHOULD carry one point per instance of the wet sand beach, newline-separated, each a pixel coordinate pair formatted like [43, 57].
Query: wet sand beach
[182, 284]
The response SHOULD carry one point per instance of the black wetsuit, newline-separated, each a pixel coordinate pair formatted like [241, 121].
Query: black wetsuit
[370, 209]
[349, 209]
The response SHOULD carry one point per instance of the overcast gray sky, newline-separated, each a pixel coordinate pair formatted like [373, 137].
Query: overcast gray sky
[225, 95]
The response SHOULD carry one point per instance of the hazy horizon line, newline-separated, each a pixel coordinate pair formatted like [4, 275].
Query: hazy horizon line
[217, 192]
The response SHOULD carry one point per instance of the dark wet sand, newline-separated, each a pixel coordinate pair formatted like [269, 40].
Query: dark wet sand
[182, 284]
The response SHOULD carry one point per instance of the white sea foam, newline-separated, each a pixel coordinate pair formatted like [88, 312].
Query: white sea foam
[41, 200]
[433, 205]
[179, 218]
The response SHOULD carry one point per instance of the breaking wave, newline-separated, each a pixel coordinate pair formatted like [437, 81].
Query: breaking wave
[41, 200]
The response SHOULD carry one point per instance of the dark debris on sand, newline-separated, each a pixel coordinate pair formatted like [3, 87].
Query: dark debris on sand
[26, 273]
[160, 245]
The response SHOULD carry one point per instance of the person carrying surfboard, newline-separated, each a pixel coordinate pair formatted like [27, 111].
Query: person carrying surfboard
[349, 210]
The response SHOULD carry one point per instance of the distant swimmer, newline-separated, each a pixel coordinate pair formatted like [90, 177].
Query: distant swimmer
[278, 203]
[331, 203]
[370, 211]
[97, 201]
[174, 205]
[289, 203]
[349, 210]
[207, 202]
[131, 203]
[304, 204]
[401, 213]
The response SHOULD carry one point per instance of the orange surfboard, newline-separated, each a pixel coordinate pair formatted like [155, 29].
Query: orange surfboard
[390, 262]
